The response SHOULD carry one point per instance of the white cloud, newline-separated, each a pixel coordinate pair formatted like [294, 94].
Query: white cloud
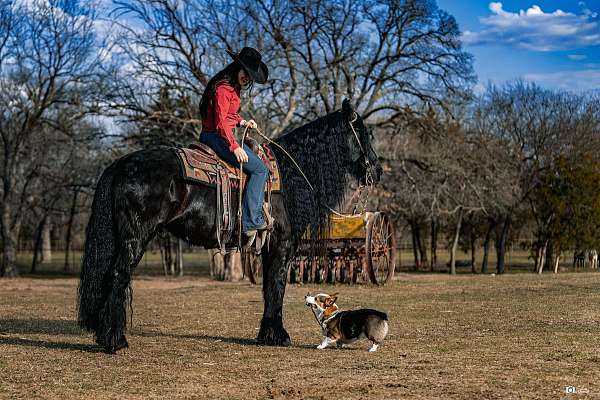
[534, 29]
[586, 10]
[577, 57]
[578, 81]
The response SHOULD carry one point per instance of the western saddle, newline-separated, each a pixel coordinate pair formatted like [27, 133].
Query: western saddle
[200, 164]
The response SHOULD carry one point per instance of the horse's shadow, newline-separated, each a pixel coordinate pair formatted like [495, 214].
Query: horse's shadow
[9, 327]
[90, 348]
[224, 339]
[40, 326]
[210, 338]
[44, 327]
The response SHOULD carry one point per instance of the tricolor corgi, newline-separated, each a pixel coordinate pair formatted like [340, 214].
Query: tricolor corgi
[343, 327]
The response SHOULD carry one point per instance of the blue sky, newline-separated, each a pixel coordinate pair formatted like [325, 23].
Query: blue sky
[555, 43]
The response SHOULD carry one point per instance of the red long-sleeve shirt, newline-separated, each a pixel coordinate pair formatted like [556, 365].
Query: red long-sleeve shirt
[222, 115]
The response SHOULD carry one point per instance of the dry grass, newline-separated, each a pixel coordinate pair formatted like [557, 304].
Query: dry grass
[466, 337]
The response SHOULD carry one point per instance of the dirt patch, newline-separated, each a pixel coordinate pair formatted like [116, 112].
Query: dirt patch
[514, 336]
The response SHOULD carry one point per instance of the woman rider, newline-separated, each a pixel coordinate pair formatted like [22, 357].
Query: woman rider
[219, 110]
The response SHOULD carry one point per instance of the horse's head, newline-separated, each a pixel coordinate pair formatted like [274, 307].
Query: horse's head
[365, 163]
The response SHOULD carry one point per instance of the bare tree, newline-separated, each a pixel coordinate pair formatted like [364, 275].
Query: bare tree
[49, 61]
[380, 54]
[437, 172]
[534, 127]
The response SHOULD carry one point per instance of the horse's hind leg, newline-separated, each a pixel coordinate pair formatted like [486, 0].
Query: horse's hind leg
[111, 332]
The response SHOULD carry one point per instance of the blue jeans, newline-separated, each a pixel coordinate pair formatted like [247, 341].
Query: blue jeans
[252, 215]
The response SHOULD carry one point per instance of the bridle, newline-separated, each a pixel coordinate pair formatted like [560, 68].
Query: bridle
[362, 201]
[362, 149]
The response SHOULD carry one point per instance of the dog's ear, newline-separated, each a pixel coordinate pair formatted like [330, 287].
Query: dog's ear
[333, 297]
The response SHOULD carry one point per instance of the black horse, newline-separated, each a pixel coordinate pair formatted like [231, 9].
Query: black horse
[143, 192]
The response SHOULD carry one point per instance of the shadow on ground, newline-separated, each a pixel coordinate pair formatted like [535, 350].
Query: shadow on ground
[68, 327]
[50, 345]
[210, 338]
[41, 326]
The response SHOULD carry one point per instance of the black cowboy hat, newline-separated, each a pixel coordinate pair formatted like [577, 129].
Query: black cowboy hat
[251, 61]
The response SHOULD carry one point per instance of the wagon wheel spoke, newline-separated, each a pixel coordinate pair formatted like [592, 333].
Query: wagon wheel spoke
[383, 268]
[381, 249]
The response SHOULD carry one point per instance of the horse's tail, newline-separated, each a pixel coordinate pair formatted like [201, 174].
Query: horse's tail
[99, 254]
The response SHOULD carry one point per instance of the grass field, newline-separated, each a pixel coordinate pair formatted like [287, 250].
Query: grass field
[463, 337]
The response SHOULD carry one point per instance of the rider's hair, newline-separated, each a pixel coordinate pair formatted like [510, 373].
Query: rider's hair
[229, 75]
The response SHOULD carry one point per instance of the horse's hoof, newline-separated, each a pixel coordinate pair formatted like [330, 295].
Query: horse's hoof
[271, 336]
[112, 349]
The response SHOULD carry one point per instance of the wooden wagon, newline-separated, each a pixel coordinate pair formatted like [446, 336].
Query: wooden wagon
[361, 246]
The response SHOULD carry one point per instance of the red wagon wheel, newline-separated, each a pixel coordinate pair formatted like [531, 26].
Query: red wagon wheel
[381, 248]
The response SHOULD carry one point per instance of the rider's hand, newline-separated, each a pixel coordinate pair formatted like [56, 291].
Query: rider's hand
[240, 155]
[251, 124]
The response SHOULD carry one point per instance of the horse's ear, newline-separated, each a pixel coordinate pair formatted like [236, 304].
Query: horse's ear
[346, 107]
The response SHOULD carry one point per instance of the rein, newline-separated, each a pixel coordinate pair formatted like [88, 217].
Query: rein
[368, 175]
[240, 195]
[312, 308]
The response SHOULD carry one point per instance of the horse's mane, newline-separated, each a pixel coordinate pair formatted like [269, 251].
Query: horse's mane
[321, 150]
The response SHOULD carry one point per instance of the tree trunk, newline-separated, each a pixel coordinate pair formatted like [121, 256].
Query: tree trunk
[433, 244]
[163, 258]
[69, 229]
[486, 247]
[550, 254]
[415, 245]
[8, 269]
[226, 267]
[37, 248]
[542, 257]
[8, 266]
[233, 261]
[455, 241]
[501, 245]
[556, 261]
[421, 246]
[180, 257]
[217, 265]
[46, 242]
[472, 240]
[166, 254]
[172, 261]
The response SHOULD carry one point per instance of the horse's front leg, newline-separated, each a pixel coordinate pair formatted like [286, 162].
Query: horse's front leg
[275, 264]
